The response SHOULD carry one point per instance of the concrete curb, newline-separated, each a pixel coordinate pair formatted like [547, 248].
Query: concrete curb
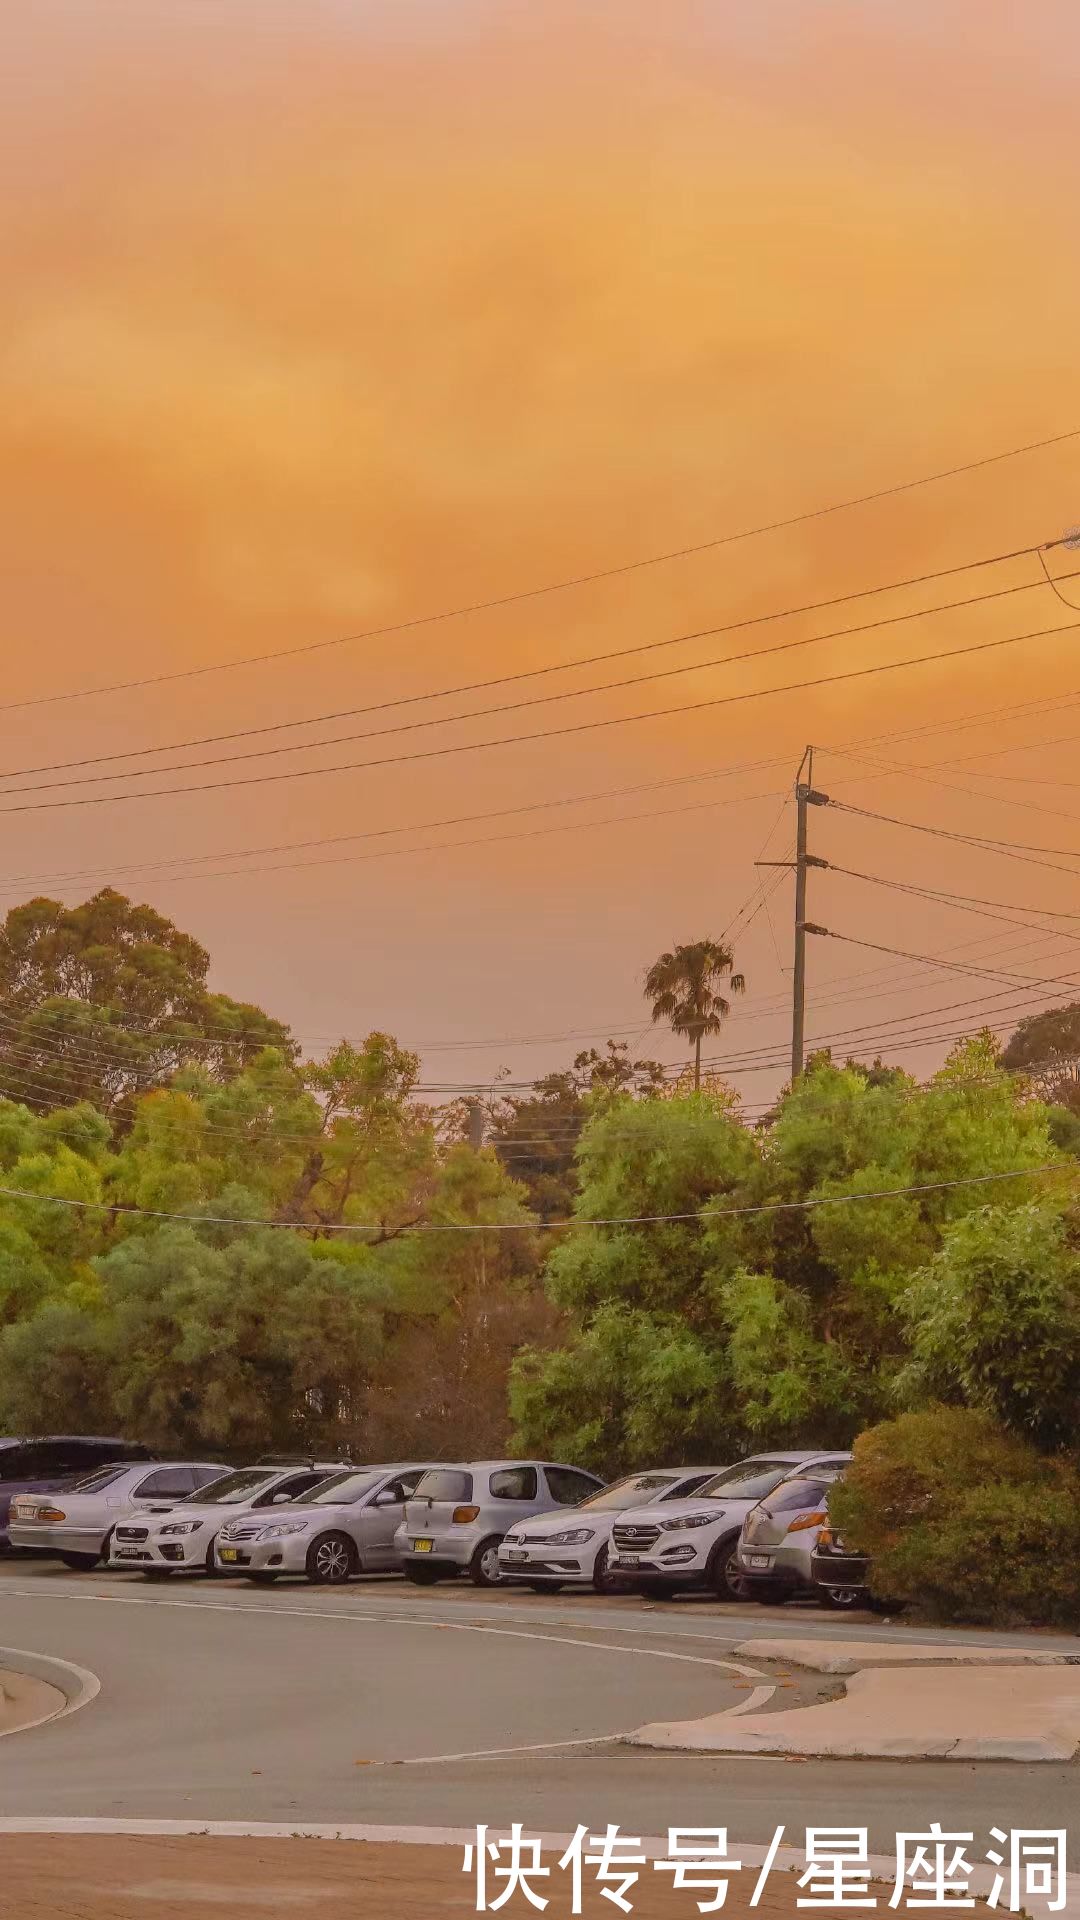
[77, 1685]
[909, 1713]
[851, 1656]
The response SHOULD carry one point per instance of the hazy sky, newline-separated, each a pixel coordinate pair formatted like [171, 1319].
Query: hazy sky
[324, 314]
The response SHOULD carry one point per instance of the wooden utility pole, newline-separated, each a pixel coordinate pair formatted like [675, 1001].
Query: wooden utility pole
[805, 796]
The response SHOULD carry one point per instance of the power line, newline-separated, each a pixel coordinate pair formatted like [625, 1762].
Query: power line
[533, 673]
[535, 1226]
[966, 903]
[481, 713]
[950, 966]
[550, 733]
[549, 587]
[986, 841]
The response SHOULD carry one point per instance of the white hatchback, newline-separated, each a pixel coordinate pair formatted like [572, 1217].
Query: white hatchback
[572, 1546]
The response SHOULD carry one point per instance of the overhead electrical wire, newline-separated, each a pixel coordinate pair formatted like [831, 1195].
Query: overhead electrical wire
[551, 733]
[537, 1226]
[553, 586]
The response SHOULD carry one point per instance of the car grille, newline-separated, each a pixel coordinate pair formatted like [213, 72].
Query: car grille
[239, 1531]
[630, 1539]
[132, 1533]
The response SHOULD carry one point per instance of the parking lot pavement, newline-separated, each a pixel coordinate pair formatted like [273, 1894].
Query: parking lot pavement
[373, 1703]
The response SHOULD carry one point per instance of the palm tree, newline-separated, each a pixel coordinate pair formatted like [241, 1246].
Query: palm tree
[683, 986]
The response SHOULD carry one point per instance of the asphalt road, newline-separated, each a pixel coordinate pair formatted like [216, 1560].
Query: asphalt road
[380, 1703]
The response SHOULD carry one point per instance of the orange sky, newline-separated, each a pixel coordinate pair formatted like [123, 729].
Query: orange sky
[322, 316]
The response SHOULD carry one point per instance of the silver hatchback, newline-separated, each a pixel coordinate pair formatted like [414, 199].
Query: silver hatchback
[458, 1515]
[779, 1534]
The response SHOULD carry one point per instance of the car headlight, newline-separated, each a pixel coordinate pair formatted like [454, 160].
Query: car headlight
[689, 1520]
[573, 1537]
[182, 1526]
[284, 1527]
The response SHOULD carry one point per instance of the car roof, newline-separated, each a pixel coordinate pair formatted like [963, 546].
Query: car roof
[67, 1440]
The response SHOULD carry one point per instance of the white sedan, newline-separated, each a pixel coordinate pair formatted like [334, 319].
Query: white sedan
[572, 1546]
[77, 1525]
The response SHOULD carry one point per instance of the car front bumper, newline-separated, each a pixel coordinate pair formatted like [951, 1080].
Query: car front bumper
[840, 1570]
[285, 1555]
[680, 1564]
[545, 1562]
[179, 1552]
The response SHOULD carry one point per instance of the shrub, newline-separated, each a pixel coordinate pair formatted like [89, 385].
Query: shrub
[965, 1521]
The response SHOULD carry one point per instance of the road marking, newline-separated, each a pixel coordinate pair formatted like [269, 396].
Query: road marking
[405, 1620]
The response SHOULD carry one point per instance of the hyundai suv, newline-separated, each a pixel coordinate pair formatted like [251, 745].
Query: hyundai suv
[694, 1543]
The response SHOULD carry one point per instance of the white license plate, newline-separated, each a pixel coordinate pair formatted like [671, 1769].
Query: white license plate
[515, 1558]
[629, 1559]
[759, 1560]
[128, 1553]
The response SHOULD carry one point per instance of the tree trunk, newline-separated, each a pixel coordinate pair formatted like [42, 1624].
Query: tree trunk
[697, 1064]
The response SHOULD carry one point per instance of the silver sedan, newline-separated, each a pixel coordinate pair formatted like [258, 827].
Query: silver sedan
[77, 1525]
[346, 1528]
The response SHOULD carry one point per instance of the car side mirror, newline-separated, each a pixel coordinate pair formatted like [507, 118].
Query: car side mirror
[281, 1500]
[386, 1498]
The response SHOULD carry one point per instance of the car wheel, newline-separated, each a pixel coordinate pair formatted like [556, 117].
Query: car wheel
[602, 1578]
[484, 1565]
[420, 1576]
[722, 1574]
[80, 1562]
[331, 1560]
[842, 1599]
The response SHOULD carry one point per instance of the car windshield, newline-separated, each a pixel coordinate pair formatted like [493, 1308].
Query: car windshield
[750, 1480]
[104, 1477]
[635, 1492]
[794, 1496]
[233, 1488]
[444, 1483]
[343, 1490]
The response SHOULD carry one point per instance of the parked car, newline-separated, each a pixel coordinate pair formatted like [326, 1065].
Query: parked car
[778, 1536]
[695, 1542]
[345, 1527]
[77, 1524]
[184, 1542]
[570, 1546]
[458, 1514]
[842, 1576]
[53, 1461]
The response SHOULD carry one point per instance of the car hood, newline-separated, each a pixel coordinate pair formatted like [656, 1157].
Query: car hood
[540, 1522]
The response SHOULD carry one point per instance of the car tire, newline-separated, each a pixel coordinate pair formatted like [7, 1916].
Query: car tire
[331, 1560]
[602, 1578]
[842, 1599]
[484, 1565]
[80, 1562]
[420, 1576]
[721, 1575]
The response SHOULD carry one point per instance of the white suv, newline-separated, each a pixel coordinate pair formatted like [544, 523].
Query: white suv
[572, 1545]
[694, 1543]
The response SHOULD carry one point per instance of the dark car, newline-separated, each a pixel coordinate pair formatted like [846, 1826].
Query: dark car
[844, 1575]
[52, 1461]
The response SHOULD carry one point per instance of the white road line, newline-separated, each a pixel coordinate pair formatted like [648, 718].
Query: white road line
[404, 1620]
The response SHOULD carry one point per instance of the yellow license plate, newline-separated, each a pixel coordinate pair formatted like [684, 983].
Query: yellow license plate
[228, 1553]
[421, 1546]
